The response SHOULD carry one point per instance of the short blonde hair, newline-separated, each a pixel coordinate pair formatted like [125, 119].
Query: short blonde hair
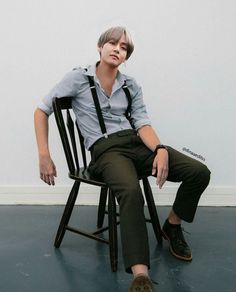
[115, 33]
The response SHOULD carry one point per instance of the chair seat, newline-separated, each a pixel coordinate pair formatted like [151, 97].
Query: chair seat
[84, 175]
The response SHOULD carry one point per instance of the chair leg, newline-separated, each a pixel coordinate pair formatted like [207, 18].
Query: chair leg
[152, 210]
[112, 223]
[66, 214]
[102, 207]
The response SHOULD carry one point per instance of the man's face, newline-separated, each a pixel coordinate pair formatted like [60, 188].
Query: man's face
[114, 52]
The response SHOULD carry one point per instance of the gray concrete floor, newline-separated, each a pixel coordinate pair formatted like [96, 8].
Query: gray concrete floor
[30, 263]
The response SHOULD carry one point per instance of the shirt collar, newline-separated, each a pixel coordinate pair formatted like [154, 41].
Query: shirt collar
[91, 71]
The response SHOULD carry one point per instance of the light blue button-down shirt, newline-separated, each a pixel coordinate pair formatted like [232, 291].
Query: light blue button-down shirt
[76, 84]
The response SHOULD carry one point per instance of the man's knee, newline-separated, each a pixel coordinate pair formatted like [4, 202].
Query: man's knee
[130, 193]
[203, 174]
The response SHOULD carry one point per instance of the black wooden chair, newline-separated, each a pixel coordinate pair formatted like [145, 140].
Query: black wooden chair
[69, 136]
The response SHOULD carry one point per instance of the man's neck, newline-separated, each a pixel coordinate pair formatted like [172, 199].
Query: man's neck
[106, 72]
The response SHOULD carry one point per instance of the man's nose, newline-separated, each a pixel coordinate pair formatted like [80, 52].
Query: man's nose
[117, 49]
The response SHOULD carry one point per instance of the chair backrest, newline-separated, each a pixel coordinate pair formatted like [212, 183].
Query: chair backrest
[70, 133]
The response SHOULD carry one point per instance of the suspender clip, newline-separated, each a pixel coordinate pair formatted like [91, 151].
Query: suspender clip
[105, 135]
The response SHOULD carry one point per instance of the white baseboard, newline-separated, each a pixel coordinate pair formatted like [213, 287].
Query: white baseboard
[88, 195]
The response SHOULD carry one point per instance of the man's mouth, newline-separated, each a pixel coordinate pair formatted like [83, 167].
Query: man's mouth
[114, 56]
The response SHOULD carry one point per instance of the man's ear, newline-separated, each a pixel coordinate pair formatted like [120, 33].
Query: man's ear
[99, 50]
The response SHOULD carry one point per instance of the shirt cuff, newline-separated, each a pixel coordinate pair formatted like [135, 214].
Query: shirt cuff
[139, 124]
[48, 110]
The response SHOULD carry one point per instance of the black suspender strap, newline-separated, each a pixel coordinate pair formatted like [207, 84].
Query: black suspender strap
[97, 106]
[128, 110]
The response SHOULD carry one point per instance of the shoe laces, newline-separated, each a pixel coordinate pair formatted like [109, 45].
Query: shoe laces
[185, 231]
[154, 282]
[179, 235]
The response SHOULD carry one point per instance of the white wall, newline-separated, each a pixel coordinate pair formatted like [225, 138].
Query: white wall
[185, 59]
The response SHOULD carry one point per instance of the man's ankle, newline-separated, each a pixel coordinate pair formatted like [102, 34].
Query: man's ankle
[173, 218]
[173, 222]
[139, 269]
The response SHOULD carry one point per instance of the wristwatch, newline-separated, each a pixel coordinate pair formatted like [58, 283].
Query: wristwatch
[160, 146]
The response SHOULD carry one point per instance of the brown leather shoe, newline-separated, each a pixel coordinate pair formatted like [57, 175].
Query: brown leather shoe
[141, 283]
[178, 246]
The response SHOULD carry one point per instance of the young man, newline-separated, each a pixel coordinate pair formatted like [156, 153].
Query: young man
[126, 153]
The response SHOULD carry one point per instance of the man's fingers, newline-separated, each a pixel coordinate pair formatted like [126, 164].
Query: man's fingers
[161, 177]
[160, 168]
[154, 167]
[52, 181]
[47, 171]
[48, 179]
[154, 170]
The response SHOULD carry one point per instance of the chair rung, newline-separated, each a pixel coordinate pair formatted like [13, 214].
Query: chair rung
[100, 230]
[86, 234]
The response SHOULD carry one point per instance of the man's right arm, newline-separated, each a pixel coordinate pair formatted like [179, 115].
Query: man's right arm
[68, 86]
[46, 165]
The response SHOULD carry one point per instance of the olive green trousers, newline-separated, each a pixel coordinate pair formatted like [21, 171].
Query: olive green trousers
[119, 160]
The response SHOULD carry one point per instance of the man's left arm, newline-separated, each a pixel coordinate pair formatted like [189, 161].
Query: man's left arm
[160, 162]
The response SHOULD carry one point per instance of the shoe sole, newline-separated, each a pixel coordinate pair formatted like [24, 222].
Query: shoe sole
[187, 259]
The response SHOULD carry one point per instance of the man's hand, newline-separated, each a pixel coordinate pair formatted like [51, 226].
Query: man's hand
[160, 167]
[47, 170]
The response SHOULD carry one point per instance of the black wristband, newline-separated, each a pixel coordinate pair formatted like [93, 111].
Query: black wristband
[160, 146]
